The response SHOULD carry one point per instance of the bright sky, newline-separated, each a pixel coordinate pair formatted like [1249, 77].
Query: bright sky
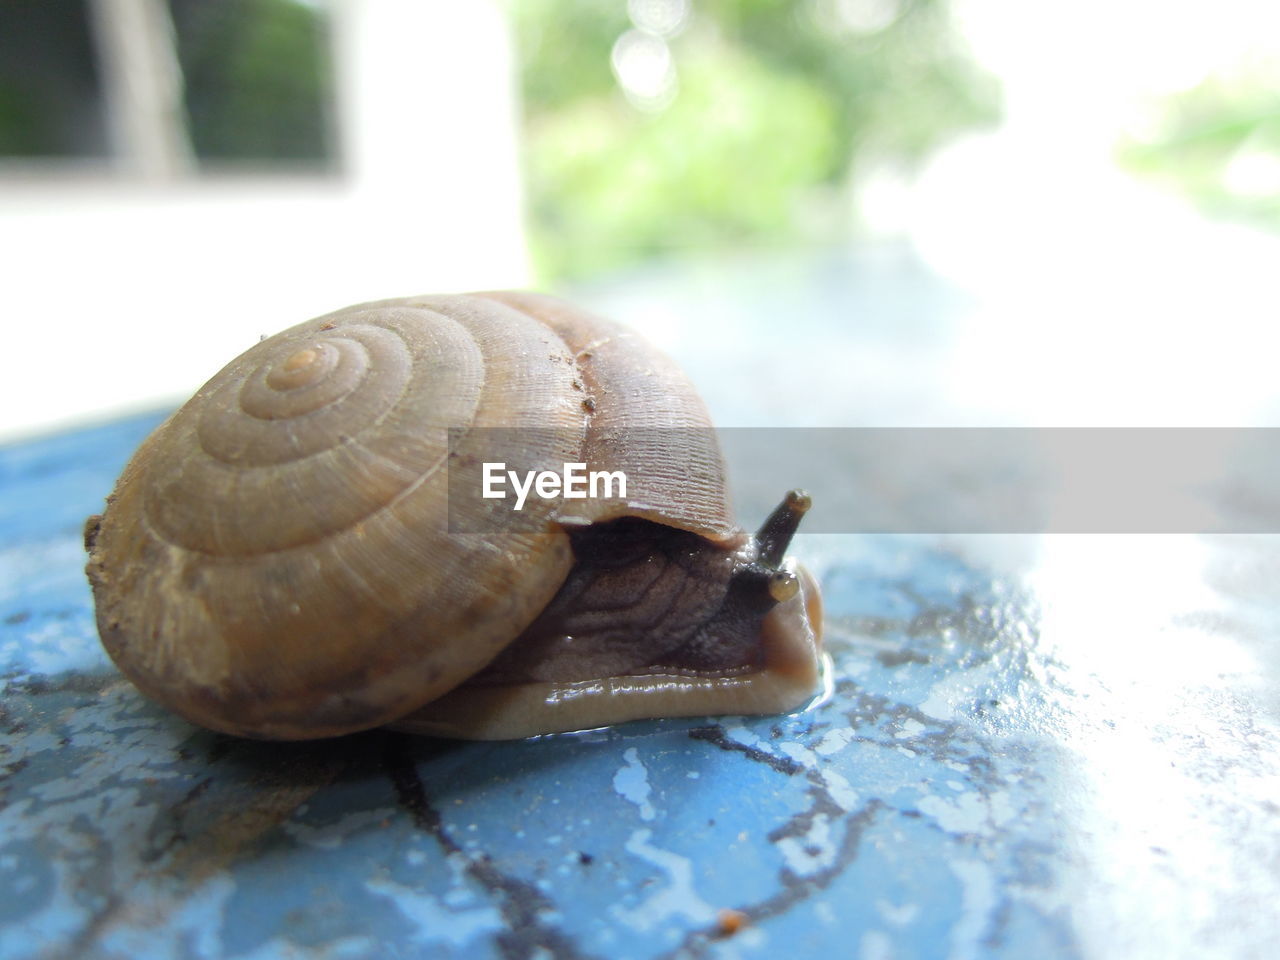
[1100, 300]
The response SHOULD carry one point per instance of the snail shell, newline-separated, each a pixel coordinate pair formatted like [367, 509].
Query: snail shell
[301, 551]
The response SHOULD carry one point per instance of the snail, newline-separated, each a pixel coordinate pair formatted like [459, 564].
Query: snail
[303, 549]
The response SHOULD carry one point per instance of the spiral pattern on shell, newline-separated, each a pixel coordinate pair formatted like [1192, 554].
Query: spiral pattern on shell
[276, 559]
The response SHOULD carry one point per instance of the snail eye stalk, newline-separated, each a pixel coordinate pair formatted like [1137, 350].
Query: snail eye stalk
[763, 581]
[779, 527]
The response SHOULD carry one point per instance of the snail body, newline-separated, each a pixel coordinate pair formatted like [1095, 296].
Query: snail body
[303, 550]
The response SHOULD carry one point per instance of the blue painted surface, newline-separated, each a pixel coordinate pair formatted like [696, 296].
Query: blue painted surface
[1058, 749]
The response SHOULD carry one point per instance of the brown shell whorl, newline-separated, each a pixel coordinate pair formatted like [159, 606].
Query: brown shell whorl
[276, 561]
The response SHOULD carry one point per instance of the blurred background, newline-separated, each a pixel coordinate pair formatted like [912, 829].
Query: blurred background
[1053, 213]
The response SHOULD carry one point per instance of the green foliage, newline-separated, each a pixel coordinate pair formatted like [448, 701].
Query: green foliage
[256, 78]
[775, 105]
[612, 184]
[49, 100]
[23, 129]
[1219, 144]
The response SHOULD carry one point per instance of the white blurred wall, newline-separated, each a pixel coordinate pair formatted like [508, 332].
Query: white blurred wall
[121, 293]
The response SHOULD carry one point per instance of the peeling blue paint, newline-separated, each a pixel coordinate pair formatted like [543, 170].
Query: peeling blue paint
[985, 781]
